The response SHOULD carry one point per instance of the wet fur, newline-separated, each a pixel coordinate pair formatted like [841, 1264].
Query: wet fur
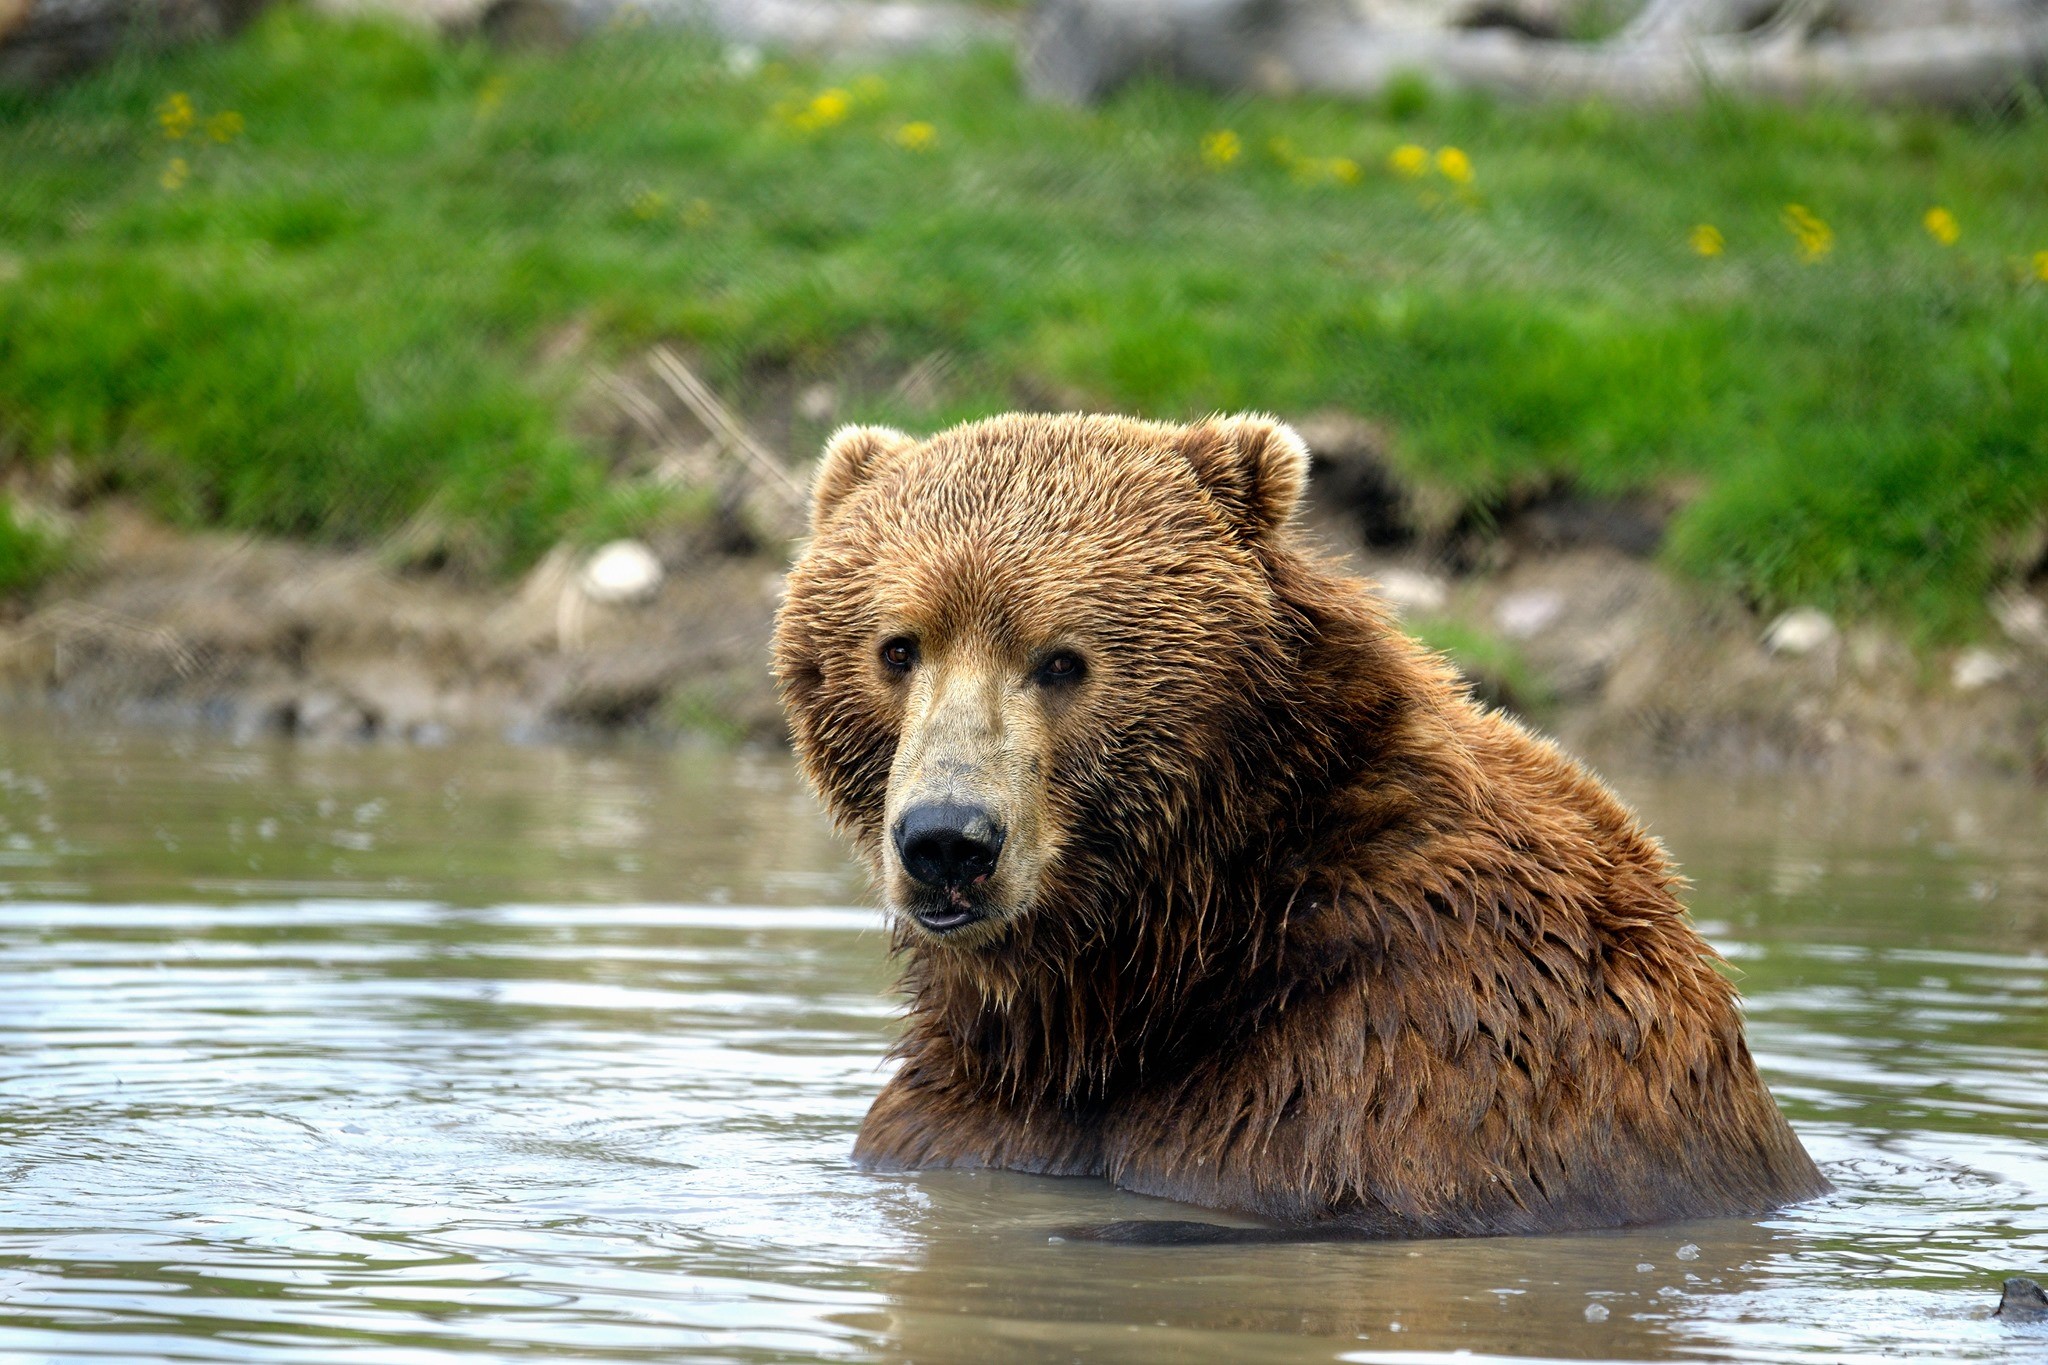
[1324, 940]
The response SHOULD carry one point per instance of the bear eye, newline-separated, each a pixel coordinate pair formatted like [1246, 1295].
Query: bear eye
[899, 654]
[1061, 668]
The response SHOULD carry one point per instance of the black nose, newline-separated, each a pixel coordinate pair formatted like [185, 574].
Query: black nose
[947, 845]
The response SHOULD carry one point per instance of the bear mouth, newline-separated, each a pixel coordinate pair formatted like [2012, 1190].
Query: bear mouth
[948, 915]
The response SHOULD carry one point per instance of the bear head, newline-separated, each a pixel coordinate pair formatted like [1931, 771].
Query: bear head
[1031, 661]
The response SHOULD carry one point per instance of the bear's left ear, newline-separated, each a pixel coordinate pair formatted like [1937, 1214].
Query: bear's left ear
[1255, 467]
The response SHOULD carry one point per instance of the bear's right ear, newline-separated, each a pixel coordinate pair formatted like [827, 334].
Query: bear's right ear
[852, 456]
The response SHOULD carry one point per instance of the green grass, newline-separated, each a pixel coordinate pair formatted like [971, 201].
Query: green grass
[336, 321]
[1499, 674]
[29, 551]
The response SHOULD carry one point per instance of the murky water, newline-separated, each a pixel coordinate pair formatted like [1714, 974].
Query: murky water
[375, 1055]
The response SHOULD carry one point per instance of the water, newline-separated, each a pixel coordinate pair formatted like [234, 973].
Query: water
[379, 1055]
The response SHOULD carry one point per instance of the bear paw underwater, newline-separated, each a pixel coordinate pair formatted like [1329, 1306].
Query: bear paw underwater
[1208, 880]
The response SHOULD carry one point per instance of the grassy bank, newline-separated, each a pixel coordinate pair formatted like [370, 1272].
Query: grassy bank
[307, 283]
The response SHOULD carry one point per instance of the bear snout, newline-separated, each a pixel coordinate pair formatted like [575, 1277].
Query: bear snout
[948, 845]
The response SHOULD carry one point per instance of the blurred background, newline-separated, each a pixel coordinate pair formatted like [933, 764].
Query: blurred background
[383, 381]
[423, 367]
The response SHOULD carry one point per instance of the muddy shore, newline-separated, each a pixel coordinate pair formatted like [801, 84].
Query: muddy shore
[1578, 629]
[254, 636]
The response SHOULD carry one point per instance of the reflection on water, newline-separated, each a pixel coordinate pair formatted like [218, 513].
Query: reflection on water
[399, 1056]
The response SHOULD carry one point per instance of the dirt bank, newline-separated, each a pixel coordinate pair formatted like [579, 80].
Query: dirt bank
[1629, 666]
[1558, 611]
[249, 635]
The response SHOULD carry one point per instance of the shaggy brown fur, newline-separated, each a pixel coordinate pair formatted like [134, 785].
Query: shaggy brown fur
[1302, 931]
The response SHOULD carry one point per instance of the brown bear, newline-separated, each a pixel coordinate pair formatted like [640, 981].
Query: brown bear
[1209, 880]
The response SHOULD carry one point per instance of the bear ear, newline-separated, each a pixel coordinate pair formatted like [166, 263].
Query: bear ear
[1255, 467]
[852, 456]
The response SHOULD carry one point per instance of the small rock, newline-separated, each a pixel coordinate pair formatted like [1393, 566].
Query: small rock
[1571, 518]
[2023, 1301]
[1596, 1312]
[1977, 668]
[1873, 653]
[315, 712]
[1522, 615]
[1335, 435]
[2023, 617]
[1410, 592]
[1799, 631]
[623, 571]
[819, 403]
[1352, 476]
[1689, 1252]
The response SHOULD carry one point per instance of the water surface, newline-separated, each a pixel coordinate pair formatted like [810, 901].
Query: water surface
[487, 1053]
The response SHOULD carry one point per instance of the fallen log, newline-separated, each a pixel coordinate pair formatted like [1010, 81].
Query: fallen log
[1674, 52]
[856, 28]
[1932, 66]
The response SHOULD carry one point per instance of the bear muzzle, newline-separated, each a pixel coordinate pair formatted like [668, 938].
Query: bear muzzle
[949, 849]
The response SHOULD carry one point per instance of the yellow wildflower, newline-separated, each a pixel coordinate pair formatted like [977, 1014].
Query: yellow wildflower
[175, 174]
[648, 205]
[824, 109]
[916, 137]
[1455, 165]
[225, 126]
[1707, 240]
[1221, 147]
[830, 106]
[2041, 266]
[1409, 160]
[1816, 239]
[491, 96]
[1314, 170]
[1942, 226]
[176, 115]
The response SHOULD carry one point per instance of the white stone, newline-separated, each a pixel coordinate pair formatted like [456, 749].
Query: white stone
[2022, 617]
[1800, 631]
[1977, 668]
[818, 403]
[623, 571]
[1410, 592]
[1521, 615]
